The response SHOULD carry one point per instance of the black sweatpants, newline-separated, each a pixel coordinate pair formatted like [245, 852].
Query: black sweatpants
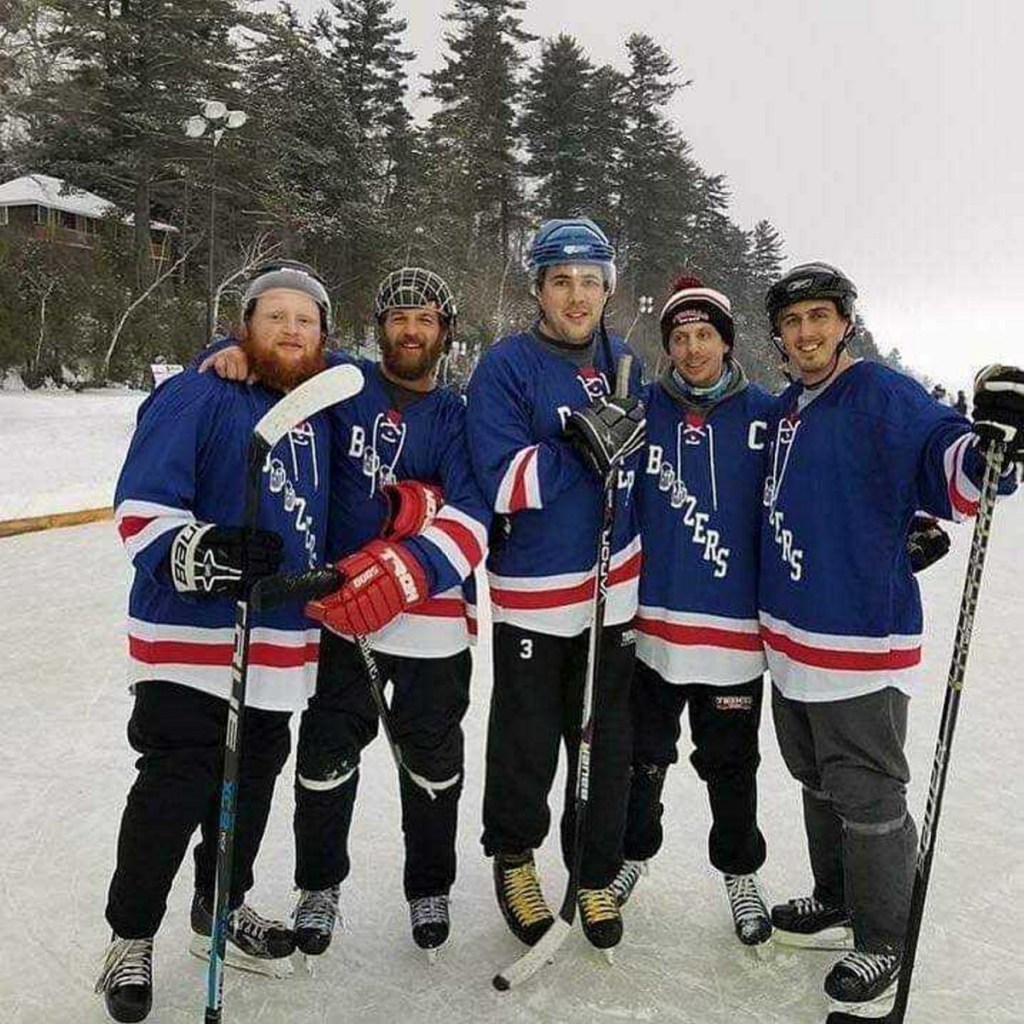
[179, 733]
[429, 697]
[848, 754]
[536, 703]
[724, 723]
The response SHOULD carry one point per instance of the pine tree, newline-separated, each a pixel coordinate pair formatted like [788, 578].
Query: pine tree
[131, 70]
[477, 89]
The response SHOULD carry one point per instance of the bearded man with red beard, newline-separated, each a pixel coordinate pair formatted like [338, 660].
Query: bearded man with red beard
[179, 510]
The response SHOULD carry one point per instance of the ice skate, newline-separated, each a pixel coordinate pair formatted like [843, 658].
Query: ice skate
[254, 943]
[126, 979]
[806, 922]
[520, 897]
[864, 984]
[315, 917]
[623, 884]
[601, 919]
[749, 912]
[431, 924]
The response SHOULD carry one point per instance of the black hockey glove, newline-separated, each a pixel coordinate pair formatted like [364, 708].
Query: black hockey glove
[927, 542]
[999, 407]
[208, 559]
[608, 431]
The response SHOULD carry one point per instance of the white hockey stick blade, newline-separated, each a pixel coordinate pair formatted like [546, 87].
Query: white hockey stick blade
[322, 390]
[534, 958]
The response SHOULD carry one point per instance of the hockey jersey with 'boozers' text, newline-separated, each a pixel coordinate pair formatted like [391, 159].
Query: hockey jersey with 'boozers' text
[699, 498]
[374, 443]
[187, 462]
[544, 549]
[840, 609]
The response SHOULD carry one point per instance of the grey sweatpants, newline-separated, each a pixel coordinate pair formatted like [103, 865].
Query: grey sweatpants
[848, 754]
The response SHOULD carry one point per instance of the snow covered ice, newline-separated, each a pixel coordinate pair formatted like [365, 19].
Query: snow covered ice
[65, 767]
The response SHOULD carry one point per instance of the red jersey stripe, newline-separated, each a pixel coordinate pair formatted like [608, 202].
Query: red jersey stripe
[849, 661]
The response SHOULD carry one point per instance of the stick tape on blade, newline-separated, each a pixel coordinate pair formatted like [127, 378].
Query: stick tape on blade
[323, 390]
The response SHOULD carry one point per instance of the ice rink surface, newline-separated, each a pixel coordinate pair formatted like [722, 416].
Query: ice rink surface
[65, 767]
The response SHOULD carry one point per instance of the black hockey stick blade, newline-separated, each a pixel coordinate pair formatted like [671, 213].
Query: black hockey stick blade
[322, 390]
[303, 586]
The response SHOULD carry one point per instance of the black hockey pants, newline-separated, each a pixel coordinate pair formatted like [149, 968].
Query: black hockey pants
[536, 703]
[724, 723]
[429, 699]
[849, 756]
[179, 732]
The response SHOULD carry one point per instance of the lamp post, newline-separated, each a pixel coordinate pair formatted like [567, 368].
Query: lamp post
[215, 116]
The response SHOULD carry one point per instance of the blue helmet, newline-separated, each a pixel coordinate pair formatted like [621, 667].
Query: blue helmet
[574, 240]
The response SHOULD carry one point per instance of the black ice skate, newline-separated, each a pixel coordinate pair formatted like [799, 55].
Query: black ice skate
[864, 984]
[601, 918]
[520, 897]
[254, 943]
[749, 912]
[623, 884]
[430, 922]
[316, 916]
[808, 923]
[126, 979]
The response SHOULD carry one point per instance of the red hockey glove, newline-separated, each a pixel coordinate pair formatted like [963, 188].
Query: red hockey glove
[381, 581]
[411, 507]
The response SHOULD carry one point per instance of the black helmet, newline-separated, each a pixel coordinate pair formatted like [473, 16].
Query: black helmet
[810, 281]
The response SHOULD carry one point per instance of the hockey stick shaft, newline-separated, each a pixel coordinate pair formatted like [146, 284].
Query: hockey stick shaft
[318, 393]
[548, 944]
[950, 708]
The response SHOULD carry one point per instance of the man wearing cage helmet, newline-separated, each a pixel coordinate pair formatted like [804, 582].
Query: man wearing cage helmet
[409, 526]
[529, 394]
[855, 450]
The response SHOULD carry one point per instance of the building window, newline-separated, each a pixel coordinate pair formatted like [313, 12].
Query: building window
[44, 215]
[3, 216]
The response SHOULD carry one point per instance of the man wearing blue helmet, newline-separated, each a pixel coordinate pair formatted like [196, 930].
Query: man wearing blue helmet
[540, 481]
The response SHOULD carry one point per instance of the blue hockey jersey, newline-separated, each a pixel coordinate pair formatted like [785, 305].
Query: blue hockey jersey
[187, 462]
[373, 444]
[699, 498]
[541, 567]
[840, 609]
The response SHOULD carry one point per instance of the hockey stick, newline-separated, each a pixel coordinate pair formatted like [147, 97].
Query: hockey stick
[951, 705]
[325, 389]
[546, 947]
[376, 684]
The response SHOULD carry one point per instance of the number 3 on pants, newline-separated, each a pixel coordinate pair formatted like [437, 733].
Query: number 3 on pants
[525, 649]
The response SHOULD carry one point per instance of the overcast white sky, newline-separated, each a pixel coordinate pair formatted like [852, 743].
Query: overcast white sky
[882, 135]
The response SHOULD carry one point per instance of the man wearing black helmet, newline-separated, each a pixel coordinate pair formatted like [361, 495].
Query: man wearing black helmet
[409, 526]
[855, 450]
[527, 390]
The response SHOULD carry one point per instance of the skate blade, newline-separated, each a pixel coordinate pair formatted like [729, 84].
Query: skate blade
[876, 1008]
[838, 939]
[764, 950]
[609, 955]
[281, 967]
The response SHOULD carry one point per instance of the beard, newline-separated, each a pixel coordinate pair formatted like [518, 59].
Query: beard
[404, 366]
[278, 375]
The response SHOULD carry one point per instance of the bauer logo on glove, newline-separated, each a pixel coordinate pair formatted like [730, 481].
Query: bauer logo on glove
[382, 580]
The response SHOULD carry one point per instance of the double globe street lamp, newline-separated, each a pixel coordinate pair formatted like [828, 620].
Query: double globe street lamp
[215, 118]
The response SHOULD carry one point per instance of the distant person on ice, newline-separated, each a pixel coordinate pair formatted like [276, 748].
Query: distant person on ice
[698, 647]
[855, 450]
[179, 509]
